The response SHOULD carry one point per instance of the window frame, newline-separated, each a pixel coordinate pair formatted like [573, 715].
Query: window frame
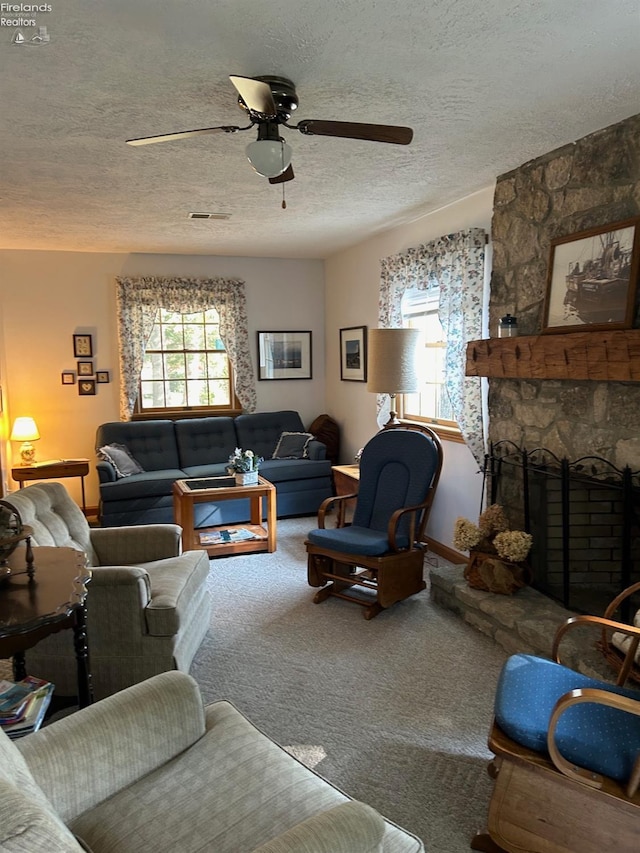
[444, 427]
[232, 408]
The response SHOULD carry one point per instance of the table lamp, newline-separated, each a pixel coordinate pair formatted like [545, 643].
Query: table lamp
[391, 365]
[26, 431]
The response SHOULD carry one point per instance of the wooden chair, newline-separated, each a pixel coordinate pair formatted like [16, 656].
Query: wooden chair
[567, 758]
[615, 645]
[378, 560]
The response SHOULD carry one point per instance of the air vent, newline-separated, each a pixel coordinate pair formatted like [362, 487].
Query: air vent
[209, 216]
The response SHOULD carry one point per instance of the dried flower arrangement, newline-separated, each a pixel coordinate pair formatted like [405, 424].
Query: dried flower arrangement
[494, 548]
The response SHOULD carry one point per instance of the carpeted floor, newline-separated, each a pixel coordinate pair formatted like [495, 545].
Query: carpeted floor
[400, 705]
[394, 711]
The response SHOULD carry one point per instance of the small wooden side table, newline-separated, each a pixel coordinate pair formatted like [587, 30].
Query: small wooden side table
[54, 599]
[55, 469]
[346, 479]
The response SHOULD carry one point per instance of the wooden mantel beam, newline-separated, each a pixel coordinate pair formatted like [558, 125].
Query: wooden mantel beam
[599, 355]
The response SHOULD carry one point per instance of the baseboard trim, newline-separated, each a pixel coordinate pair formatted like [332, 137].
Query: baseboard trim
[445, 551]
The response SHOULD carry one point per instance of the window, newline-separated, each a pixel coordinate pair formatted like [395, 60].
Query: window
[185, 365]
[432, 404]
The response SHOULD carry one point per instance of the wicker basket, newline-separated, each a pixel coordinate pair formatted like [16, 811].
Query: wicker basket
[489, 572]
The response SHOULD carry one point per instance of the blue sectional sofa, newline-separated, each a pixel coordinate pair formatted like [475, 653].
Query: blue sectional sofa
[200, 447]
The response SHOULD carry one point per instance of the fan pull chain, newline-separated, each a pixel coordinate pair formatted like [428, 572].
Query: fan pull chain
[284, 203]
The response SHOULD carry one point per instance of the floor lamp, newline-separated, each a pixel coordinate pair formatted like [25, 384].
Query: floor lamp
[391, 365]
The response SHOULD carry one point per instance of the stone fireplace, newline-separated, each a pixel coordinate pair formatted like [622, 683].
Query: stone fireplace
[575, 410]
[593, 182]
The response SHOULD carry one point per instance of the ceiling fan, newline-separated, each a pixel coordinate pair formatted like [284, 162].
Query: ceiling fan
[269, 102]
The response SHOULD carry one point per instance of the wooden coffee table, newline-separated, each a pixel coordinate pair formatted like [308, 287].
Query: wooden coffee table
[187, 493]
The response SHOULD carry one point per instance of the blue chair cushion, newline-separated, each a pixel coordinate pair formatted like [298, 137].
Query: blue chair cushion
[361, 541]
[605, 740]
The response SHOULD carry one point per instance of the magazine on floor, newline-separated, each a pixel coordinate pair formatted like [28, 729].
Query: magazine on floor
[23, 705]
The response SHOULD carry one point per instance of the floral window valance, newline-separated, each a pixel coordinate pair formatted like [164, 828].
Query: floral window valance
[453, 265]
[140, 299]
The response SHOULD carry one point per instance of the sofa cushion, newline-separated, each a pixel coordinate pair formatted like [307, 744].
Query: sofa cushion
[292, 445]
[281, 470]
[605, 740]
[204, 441]
[151, 443]
[260, 431]
[121, 459]
[148, 484]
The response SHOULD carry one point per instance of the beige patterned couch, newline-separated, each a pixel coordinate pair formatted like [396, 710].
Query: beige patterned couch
[150, 769]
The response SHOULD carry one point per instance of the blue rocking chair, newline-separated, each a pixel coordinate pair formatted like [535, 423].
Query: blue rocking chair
[378, 559]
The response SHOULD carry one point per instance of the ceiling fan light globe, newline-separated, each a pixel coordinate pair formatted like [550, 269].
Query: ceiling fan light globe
[269, 157]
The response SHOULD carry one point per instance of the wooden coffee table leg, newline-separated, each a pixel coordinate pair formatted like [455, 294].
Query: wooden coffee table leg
[271, 521]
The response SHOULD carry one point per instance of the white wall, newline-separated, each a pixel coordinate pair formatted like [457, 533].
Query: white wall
[47, 296]
[352, 279]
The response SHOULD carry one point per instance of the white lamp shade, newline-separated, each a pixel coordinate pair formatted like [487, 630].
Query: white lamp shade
[24, 429]
[392, 361]
[269, 157]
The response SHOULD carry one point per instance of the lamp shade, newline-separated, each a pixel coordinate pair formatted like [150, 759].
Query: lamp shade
[269, 157]
[391, 362]
[24, 429]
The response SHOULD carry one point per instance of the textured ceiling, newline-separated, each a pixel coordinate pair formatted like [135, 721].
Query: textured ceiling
[485, 84]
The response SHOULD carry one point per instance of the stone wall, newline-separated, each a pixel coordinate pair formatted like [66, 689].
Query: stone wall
[593, 182]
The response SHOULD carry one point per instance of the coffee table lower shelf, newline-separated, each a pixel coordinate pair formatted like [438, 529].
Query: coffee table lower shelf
[243, 546]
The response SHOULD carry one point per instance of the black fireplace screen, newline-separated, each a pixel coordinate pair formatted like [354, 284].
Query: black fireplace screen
[584, 517]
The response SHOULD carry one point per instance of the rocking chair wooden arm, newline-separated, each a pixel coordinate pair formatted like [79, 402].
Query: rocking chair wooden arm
[607, 626]
[392, 528]
[327, 503]
[598, 697]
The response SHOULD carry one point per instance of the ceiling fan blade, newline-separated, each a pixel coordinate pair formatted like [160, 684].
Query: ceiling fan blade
[356, 130]
[256, 94]
[287, 175]
[183, 134]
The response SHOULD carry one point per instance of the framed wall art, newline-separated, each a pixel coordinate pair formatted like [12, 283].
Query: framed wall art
[82, 346]
[86, 387]
[593, 278]
[85, 368]
[68, 377]
[284, 355]
[102, 376]
[353, 354]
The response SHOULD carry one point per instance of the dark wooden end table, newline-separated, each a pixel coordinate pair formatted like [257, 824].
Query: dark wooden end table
[55, 469]
[54, 599]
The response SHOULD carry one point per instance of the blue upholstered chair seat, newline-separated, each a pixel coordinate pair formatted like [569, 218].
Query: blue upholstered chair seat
[355, 540]
[605, 740]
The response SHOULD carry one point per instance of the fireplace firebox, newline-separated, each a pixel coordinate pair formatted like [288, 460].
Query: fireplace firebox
[584, 516]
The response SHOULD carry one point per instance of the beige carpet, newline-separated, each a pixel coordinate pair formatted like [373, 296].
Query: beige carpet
[394, 711]
[401, 705]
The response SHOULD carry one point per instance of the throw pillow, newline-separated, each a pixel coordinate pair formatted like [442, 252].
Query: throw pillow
[121, 459]
[292, 445]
